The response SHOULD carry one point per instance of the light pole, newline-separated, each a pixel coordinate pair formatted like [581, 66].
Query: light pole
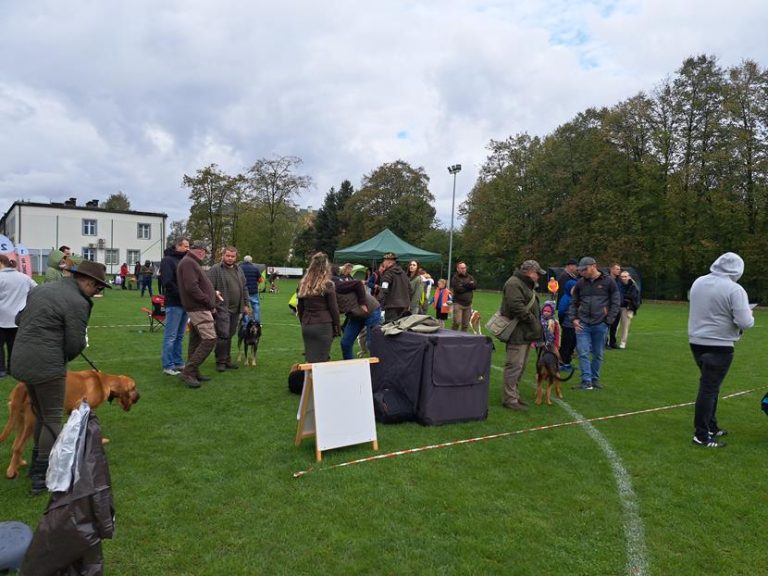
[455, 169]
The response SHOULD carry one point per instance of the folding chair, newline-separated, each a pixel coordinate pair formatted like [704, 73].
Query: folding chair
[157, 314]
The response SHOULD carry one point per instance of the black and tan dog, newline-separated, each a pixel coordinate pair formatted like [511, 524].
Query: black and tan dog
[95, 387]
[548, 368]
[248, 336]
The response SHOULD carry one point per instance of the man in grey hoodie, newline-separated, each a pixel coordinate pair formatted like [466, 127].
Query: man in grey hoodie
[718, 314]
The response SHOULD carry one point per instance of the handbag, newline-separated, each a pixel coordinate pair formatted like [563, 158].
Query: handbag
[501, 326]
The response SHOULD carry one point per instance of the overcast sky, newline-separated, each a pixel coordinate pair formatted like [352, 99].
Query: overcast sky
[100, 97]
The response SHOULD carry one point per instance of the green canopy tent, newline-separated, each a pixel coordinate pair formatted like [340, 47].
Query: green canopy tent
[385, 241]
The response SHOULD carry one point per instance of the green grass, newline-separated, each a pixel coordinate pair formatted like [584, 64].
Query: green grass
[203, 480]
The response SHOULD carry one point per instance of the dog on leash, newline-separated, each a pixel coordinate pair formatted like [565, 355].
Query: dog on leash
[248, 336]
[548, 368]
[474, 322]
[90, 385]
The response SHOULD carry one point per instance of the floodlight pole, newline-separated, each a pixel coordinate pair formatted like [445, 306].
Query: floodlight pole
[455, 169]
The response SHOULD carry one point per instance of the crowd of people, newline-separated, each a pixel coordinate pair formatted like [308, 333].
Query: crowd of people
[592, 311]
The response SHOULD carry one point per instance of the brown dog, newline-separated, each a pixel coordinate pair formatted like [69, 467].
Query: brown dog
[95, 387]
[474, 322]
[548, 368]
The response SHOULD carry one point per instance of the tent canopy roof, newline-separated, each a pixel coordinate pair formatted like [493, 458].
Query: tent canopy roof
[385, 241]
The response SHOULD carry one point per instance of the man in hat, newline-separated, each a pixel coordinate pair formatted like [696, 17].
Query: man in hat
[594, 306]
[199, 300]
[519, 302]
[570, 272]
[52, 332]
[394, 293]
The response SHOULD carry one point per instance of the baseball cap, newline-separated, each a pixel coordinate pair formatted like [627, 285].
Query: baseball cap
[532, 265]
[572, 261]
[586, 261]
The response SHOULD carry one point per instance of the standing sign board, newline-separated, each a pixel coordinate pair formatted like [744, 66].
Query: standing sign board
[336, 405]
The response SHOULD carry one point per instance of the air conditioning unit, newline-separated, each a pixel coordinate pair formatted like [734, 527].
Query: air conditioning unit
[102, 243]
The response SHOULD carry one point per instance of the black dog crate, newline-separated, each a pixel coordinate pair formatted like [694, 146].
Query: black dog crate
[445, 374]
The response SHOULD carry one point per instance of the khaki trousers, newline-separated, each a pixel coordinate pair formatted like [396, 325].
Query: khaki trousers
[514, 368]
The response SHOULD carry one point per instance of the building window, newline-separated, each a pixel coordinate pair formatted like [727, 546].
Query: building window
[144, 232]
[89, 253]
[112, 256]
[133, 257]
[89, 227]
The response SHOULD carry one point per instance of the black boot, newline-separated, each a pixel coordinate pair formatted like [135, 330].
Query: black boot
[37, 473]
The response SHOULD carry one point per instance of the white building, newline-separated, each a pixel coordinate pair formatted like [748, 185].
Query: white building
[107, 236]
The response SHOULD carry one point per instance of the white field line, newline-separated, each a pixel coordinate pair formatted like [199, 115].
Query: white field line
[634, 533]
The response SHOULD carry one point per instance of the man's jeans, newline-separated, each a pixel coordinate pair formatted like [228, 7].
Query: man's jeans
[713, 363]
[353, 328]
[256, 307]
[175, 325]
[590, 341]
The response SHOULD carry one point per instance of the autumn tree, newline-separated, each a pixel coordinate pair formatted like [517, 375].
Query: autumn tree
[272, 185]
[394, 196]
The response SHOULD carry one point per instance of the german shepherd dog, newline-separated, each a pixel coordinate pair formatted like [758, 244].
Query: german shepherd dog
[248, 336]
[548, 368]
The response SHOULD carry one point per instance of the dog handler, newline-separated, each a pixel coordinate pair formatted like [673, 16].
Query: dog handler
[719, 312]
[52, 332]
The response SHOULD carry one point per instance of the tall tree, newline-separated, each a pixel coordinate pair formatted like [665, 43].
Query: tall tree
[118, 201]
[273, 184]
[177, 229]
[394, 196]
[212, 193]
[330, 223]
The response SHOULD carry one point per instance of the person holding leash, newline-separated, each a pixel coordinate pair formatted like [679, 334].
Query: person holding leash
[719, 312]
[232, 299]
[52, 332]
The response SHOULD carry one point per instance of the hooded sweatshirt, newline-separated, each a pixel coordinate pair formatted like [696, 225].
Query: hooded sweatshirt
[719, 307]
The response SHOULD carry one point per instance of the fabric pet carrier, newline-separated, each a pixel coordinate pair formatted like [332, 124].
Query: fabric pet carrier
[445, 374]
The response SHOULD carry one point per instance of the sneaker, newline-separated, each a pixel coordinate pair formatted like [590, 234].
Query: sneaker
[709, 443]
[583, 386]
[221, 367]
[179, 367]
[622, 346]
[516, 406]
[597, 385]
[719, 434]
[171, 372]
[566, 367]
[190, 381]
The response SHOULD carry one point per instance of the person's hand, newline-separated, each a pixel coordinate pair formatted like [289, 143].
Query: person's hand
[364, 308]
[219, 296]
[577, 325]
[336, 331]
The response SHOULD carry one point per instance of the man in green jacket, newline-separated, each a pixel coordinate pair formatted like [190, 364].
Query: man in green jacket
[52, 332]
[519, 302]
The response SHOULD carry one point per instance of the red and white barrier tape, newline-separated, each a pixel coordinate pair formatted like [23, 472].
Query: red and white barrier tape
[504, 434]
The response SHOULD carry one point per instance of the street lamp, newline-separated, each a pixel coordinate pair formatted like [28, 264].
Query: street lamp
[455, 169]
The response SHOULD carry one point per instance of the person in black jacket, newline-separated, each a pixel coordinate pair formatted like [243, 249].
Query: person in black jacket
[52, 332]
[394, 290]
[175, 315]
[594, 306]
[630, 302]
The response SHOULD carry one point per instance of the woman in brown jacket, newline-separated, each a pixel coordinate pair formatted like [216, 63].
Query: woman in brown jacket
[318, 310]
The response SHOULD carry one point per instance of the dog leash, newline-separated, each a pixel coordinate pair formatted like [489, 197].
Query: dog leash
[89, 362]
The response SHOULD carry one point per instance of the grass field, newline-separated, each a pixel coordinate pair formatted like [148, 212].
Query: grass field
[203, 479]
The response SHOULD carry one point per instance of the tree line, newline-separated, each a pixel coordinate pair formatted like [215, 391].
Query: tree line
[664, 181]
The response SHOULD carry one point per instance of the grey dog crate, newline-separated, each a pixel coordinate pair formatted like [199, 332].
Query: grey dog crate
[444, 374]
